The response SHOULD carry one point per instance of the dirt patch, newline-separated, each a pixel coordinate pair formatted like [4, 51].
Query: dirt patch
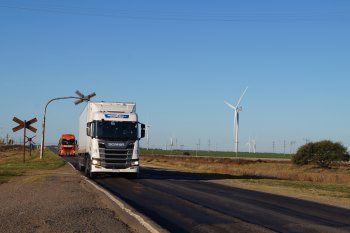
[7, 151]
[55, 201]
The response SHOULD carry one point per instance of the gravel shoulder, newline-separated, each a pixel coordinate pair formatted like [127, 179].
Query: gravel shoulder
[56, 201]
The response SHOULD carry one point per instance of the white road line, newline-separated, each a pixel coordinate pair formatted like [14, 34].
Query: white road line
[71, 165]
[121, 205]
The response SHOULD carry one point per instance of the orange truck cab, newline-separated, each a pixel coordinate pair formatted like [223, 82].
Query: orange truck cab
[66, 145]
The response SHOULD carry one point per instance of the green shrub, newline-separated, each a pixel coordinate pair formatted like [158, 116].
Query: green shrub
[322, 153]
[186, 153]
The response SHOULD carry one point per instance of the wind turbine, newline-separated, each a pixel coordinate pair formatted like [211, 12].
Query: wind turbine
[254, 145]
[249, 144]
[237, 108]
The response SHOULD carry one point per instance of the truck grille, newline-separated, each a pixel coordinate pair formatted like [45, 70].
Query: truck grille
[116, 158]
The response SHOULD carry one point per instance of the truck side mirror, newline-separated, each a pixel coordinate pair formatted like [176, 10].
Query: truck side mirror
[143, 130]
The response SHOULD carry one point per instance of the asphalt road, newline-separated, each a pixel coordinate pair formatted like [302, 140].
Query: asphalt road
[189, 202]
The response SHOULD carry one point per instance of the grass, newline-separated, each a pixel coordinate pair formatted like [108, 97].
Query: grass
[331, 186]
[12, 165]
[335, 190]
[214, 153]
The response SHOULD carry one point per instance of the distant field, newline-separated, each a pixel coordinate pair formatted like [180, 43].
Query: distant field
[214, 153]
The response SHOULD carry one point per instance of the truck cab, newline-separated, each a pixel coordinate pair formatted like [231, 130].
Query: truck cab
[67, 145]
[109, 135]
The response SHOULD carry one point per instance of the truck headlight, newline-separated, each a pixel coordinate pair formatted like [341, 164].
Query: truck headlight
[96, 162]
[135, 163]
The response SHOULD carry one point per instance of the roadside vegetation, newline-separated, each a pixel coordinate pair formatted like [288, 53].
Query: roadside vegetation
[322, 153]
[11, 162]
[214, 153]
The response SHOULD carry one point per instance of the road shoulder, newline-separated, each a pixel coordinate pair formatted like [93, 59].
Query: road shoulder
[58, 201]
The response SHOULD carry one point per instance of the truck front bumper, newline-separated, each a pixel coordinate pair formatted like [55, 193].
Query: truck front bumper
[99, 169]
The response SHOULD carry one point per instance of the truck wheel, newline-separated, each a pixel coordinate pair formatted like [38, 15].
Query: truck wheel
[87, 170]
[80, 168]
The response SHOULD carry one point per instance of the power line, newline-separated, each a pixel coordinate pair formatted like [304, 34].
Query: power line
[179, 16]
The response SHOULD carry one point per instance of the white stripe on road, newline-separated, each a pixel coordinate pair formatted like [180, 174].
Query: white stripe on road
[121, 205]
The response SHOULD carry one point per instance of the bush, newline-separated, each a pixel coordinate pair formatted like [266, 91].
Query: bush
[322, 153]
[186, 153]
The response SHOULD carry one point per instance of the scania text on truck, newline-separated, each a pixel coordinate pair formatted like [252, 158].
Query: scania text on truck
[66, 145]
[109, 135]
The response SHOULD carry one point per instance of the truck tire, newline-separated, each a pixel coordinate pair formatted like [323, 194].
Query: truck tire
[80, 168]
[87, 170]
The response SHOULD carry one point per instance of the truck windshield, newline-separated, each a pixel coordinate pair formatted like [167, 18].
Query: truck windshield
[110, 130]
[68, 142]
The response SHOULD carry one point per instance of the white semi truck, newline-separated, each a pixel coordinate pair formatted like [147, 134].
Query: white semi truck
[109, 135]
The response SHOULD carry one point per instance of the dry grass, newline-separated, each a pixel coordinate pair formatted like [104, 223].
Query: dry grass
[11, 163]
[259, 169]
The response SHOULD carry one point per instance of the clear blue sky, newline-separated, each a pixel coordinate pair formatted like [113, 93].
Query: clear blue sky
[179, 60]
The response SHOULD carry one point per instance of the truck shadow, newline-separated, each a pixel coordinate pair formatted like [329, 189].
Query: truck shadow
[164, 174]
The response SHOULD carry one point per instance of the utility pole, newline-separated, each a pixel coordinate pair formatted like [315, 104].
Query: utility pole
[306, 140]
[198, 146]
[209, 146]
[284, 147]
[171, 144]
[273, 146]
[292, 146]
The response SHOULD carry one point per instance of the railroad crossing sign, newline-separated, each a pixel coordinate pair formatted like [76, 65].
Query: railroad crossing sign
[31, 144]
[24, 125]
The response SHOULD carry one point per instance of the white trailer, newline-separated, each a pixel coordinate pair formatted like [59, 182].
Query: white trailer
[108, 142]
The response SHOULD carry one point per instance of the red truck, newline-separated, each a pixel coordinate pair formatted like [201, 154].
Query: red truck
[66, 145]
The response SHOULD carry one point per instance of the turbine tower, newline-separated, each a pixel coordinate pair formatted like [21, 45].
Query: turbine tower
[251, 145]
[254, 146]
[237, 108]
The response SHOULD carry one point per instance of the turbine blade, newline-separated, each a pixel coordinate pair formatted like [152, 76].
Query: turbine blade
[240, 99]
[230, 105]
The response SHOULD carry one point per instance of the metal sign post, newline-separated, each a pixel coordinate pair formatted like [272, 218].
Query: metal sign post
[24, 125]
[24, 143]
